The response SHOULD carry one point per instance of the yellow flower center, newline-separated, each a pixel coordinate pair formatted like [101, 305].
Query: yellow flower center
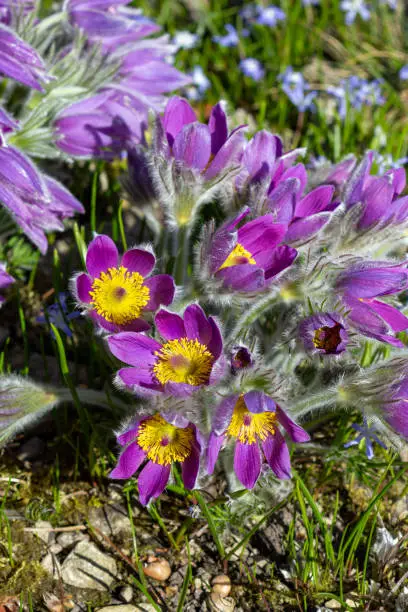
[164, 443]
[239, 255]
[247, 426]
[119, 295]
[183, 361]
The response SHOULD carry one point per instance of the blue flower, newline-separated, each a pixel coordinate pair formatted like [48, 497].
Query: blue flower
[252, 68]
[365, 433]
[403, 73]
[310, 2]
[270, 16]
[352, 8]
[297, 89]
[228, 40]
[201, 82]
[392, 4]
[387, 162]
[358, 92]
[58, 315]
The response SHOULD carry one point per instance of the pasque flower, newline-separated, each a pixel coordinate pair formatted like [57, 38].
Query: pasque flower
[252, 420]
[360, 287]
[13, 8]
[116, 293]
[394, 407]
[105, 124]
[324, 333]
[38, 203]
[248, 258]
[188, 358]
[19, 61]
[5, 280]
[208, 149]
[157, 442]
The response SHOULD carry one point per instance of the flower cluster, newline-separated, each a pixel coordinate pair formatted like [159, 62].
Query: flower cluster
[291, 268]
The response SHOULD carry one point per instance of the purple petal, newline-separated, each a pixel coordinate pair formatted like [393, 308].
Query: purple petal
[190, 466]
[354, 190]
[277, 454]
[197, 325]
[138, 260]
[296, 432]
[372, 282]
[140, 381]
[152, 481]
[223, 414]
[193, 145]
[315, 202]
[282, 200]
[180, 389]
[255, 402]
[281, 258]
[247, 463]
[260, 234]
[260, 154]
[244, 277]
[218, 128]
[215, 344]
[399, 179]
[377, 201]
[169, 325]
[296, 172]
[63, 200]
[213, 449]
[178, 113]
[129, 462]
[303, 229]
[133, 348]
[393, 317]
[83, 287]
[228, 154]
[102, 254]
[161, 289]
[130, 435]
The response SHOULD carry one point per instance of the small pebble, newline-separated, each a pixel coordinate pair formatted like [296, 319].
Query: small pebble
[221, 585]
[126, 593]
[159, 569]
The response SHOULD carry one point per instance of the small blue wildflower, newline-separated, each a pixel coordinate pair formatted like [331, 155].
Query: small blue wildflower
[352, 8]
[365, 433]
[387, 162]
[358, 92]
[297, 89]
[392, 4]
[58, 315]
[403, 73]
[310, 2]
[252, 68]
[270, 16]
[231, 39]
[249, 12]
[185, 40]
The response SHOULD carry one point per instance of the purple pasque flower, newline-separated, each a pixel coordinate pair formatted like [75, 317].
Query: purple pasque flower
[5, 281]
[324, 333]
[250, 257]
[116, 291]
[377, 196]
[361, 285]
[58, 314]
[105, 124]
[157, 442]
[297, 89]
[367, 434]
[109, 23]
[303, 215]
[252, 68]
[37, 202]
[253, 420]
[208, 149]
[231, 39]
[7, 123]
[353, 8]
[270, 16]
[20, 61]
[189, 357]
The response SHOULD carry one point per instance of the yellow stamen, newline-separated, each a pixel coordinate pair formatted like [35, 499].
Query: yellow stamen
[183, 361]
[119, 295]
[247, 426]
[327, 338]
[239, 255]
[164, 443]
